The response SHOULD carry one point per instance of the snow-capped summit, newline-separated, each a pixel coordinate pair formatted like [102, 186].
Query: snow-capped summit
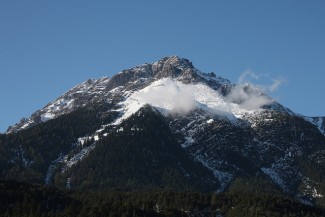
[133, 85]
[174, 77]
[131, 79]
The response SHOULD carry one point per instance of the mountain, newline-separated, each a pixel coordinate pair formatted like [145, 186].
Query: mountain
[167, 125]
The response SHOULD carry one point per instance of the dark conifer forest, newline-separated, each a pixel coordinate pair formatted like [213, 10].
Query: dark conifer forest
[21, 199]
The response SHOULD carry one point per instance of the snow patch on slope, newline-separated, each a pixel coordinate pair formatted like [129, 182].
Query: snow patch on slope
[275, 177]
[78, 157]
[171, 96]
[224, 178]
[319, 122]
[310, 188]
[47, 116]
[77, 97]
[51, 169]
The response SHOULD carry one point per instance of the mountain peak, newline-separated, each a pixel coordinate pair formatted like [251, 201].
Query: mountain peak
[170, 66]
[175, 61]
[135, 78]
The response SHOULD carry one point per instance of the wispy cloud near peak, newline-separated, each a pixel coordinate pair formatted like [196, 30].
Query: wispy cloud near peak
[252, 89]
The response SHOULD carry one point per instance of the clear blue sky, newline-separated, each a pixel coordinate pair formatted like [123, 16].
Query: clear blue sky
[47, 47]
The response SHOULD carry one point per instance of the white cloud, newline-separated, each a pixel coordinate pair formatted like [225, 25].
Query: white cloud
[253, 96]
[170, 97]
[248, 97]
[275, 85]
[252, 78]
[247, 74]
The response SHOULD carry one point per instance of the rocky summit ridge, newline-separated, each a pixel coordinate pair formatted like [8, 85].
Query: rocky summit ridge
[130, 79]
